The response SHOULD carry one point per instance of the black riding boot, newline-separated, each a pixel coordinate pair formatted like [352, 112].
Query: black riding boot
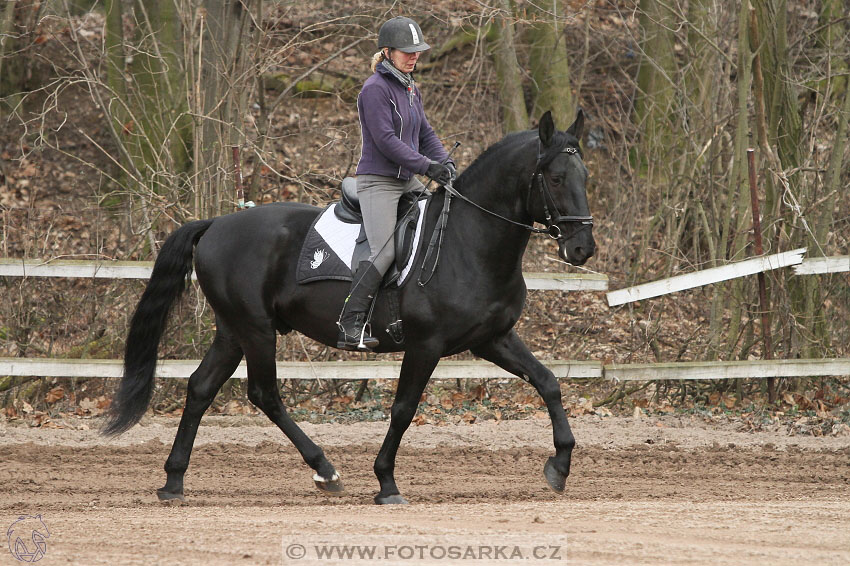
[352, 321]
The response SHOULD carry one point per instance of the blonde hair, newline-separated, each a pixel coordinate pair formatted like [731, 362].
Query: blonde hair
[376, 59]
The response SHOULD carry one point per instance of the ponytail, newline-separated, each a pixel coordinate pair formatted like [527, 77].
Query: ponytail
[377, 58]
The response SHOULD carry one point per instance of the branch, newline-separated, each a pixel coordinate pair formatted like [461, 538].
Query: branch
[307, 73]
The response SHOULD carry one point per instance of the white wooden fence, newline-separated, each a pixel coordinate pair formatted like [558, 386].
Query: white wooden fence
[52, 367]
[815, 265]
[705, 277]
[142, 270]
[450, 369]
[808, 266]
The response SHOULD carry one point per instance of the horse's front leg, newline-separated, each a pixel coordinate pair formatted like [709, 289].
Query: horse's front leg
[416, 369]
[510, 353]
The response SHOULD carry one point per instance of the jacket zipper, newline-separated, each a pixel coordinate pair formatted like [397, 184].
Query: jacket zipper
[400, 130]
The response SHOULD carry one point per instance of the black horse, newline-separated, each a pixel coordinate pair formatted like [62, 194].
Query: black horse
[246, 262]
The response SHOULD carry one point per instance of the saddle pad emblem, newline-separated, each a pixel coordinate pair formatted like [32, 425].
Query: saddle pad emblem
[319, 257]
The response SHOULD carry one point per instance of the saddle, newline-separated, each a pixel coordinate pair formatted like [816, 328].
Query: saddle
[348, 210]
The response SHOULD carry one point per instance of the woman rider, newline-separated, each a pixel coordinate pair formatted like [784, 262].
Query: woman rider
[398, 142]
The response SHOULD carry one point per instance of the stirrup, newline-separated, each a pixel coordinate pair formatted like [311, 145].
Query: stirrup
[367, 342]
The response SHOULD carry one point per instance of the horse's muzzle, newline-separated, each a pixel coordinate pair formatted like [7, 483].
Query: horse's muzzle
[577, 249]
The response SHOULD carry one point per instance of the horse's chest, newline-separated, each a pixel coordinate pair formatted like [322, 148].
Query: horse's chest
[493, 313]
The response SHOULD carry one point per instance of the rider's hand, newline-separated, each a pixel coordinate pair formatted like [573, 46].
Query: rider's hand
[452, 170]
[439, 173]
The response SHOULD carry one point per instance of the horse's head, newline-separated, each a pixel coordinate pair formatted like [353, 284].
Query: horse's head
[558, 197]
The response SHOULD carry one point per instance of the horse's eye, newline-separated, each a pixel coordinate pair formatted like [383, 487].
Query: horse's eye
[557, 180]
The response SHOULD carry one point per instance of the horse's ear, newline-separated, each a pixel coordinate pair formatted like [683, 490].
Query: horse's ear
[578, 126]
[546, 128]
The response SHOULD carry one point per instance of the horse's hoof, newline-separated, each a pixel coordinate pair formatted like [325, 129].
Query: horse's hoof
[556, 480]
[170, 497]
[390, 500]
[332, 486]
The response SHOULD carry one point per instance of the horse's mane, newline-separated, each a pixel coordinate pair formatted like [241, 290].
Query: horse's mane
[496, 152]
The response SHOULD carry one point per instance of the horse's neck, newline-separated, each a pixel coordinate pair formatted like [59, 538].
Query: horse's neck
[484, 241]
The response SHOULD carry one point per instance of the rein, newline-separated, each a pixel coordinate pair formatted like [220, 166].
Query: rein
[552, 229]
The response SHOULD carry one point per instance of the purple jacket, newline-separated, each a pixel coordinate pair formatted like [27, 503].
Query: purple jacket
[397, 139]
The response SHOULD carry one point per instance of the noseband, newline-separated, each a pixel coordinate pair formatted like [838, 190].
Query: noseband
[552, 229]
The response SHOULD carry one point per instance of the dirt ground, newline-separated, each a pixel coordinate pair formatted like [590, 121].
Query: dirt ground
[670, 490]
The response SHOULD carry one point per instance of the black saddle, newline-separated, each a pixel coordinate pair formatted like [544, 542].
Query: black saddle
[348, 210]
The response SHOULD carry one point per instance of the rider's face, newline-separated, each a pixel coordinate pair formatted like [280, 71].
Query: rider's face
[404, 62]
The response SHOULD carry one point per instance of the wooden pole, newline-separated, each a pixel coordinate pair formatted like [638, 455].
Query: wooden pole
[765, 307]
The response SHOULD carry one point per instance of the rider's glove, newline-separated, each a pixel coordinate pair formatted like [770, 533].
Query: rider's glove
[440, 173]
[452, 170]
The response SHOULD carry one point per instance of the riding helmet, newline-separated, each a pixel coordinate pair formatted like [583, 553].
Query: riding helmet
[403, 34]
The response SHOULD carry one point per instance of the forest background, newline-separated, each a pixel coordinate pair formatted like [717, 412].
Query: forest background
[119, 118]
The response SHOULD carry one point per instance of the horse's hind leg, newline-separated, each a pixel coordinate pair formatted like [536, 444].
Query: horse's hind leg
[511, 353]
[218, 365]
[263, 391]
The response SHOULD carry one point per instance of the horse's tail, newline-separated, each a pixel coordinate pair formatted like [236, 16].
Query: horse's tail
[171, 270]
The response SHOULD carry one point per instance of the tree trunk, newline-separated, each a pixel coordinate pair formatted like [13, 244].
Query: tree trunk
[220, 96]
[18, 22]
[115, 72]
[550, 69]
[735, 226]
[503, 50]
[784, 123]
[785, 134]
[832, 40]
[158, 92]
[657, 156]
[701, 76]
[177, 102]
[655, 102]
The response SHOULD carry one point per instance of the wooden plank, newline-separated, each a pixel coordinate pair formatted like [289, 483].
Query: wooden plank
[728, 370]
[450, 369]
[76, 268]
[815, 265]
[142, 270]
[704, 277]
[566, 281]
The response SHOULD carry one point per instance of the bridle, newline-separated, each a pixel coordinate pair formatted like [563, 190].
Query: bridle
[552, 229]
